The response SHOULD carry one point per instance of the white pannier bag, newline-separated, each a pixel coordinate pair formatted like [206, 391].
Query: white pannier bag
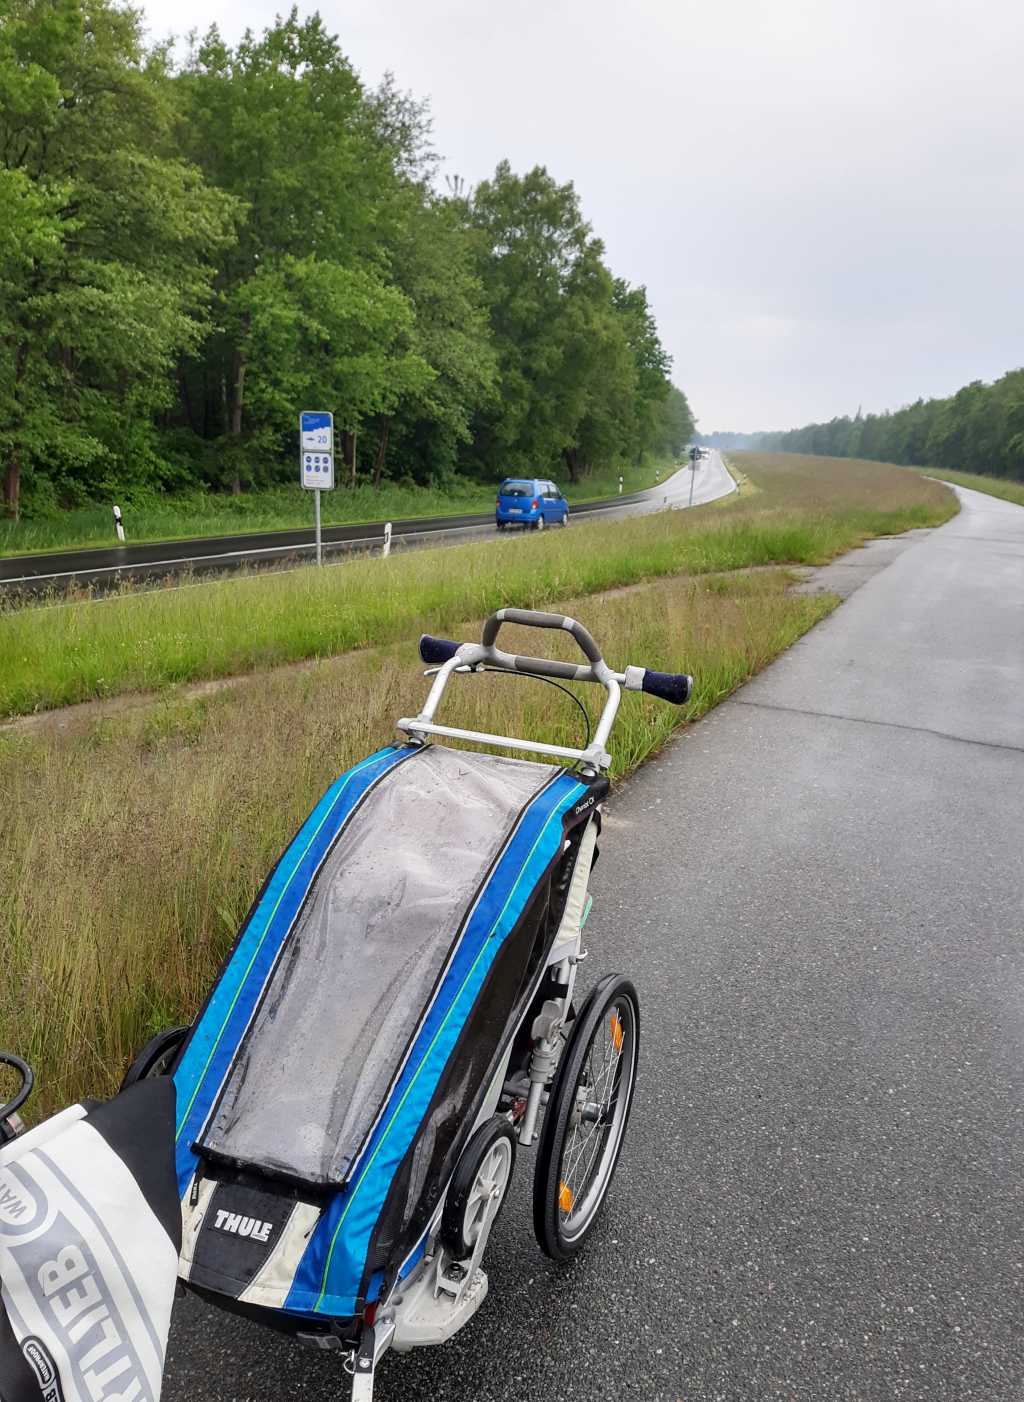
[90, 1228]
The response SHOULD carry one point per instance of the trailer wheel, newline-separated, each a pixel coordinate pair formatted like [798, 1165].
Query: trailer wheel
[156, 1057]
[585, 1122]
[479, 1186]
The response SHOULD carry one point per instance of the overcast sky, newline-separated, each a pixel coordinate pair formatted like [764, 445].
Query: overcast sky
[825, 198]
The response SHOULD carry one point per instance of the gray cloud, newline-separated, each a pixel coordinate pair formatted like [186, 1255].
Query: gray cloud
[825, 198]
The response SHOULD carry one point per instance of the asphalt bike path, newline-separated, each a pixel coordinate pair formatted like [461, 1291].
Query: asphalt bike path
[819, 893]
[220, 554]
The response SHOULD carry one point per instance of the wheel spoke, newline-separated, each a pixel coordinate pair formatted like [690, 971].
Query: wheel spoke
[609, 1066]
[598, 1146]
[571, 1157]
[584, 1143]
[592, 1136]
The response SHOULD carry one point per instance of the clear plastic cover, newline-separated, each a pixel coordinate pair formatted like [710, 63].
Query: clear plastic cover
[361, 962]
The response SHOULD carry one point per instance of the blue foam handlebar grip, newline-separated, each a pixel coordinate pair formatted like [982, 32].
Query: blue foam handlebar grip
[670, 686]
[436, 651]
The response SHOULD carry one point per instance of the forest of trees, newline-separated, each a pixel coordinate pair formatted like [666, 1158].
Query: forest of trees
[978, 429]
[194, 247]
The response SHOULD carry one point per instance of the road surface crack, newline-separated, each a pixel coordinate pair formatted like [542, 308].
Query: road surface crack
[884, 724]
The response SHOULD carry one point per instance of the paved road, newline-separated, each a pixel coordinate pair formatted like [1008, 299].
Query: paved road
[819, 892]
[218, 554]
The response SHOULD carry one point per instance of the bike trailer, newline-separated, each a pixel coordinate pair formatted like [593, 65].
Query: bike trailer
[364, 1015]
[395, 1017]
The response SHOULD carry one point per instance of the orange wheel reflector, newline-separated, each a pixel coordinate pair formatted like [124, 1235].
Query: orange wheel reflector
[616, 1026]
[565, 1197]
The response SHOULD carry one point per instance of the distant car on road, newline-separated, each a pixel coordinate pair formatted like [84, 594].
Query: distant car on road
[530, 501]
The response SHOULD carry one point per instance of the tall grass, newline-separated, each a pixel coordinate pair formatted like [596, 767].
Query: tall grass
[140, 641]
[133, 842]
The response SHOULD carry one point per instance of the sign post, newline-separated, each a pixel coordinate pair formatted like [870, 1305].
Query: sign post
[694, 459]
[316, 459]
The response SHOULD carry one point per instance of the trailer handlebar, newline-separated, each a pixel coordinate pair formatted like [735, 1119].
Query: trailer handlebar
[674, 687]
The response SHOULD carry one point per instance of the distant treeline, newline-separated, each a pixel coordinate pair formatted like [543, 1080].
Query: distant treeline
[978, 429]
[191, 252]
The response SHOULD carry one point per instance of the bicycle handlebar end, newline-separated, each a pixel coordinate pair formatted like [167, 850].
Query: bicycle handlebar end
[437, 651]
[676, 687]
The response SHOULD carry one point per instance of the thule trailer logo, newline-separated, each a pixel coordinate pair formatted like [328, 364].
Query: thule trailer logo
[238, 1225]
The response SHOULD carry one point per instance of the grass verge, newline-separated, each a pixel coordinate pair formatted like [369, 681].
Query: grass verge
[744, 486]
[994, 486]
[805, 511]
[135, 841]
[200, 514]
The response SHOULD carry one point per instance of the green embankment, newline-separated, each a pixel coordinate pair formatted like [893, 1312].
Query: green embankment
[993, 486]
[136, 837]
[199, 515]
[801, 514]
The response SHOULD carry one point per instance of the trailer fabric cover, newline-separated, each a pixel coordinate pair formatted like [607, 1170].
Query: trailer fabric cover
[453, 852]
[332, 1276]
[210, 1048]
[361, 962]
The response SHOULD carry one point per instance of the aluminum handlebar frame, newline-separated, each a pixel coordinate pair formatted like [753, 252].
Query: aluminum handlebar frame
[472, 657]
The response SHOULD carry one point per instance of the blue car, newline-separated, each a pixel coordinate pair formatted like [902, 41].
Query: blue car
[529, 501]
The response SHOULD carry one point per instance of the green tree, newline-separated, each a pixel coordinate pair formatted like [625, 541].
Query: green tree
[572, 346]
[432, 263]
[320, 333]
[281, 122]
[597, 389]
[650, 360]
[107, 269]
[675, 425]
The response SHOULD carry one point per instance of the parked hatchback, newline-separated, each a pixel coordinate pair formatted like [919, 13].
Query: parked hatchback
[530, 501]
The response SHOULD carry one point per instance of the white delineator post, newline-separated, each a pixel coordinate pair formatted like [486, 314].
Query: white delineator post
[118, 524]
[387, 541]
[620, 484]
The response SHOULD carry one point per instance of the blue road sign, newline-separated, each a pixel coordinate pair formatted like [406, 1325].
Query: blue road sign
[316, 450]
